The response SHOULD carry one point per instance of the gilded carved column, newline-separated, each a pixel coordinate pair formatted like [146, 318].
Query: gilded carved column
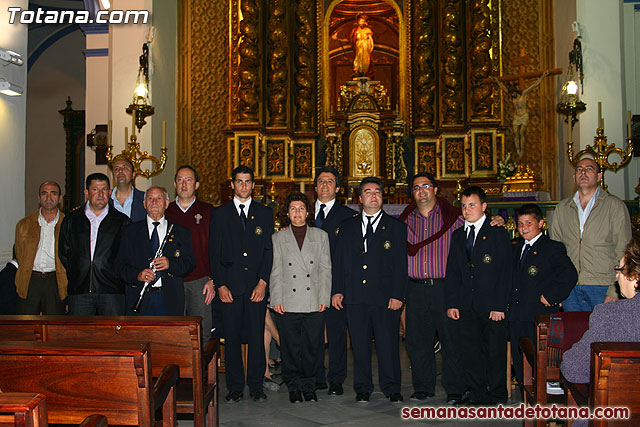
[480, 59]
[249, 66]
[424, 72]
[337, 154]
[278, 71]
[452, 58]
[305, 64]
[400, 167]
[329, 151]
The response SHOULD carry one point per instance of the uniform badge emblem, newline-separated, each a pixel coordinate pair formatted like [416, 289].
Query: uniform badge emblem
[487, 259]
[258, 231]
[176, 254]
[533, 270]
[387, 245]
[198, 217]
[337, 230]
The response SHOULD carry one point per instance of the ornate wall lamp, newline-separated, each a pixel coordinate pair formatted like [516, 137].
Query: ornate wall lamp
[570, 104]
[139, 109]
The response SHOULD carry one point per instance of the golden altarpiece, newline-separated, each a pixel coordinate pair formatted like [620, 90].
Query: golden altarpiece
[279, 85]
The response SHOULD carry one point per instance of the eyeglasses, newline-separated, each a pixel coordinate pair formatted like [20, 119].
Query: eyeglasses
[617, 269]
[422, 187]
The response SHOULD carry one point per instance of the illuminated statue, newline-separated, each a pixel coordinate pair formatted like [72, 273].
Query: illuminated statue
[362, 41]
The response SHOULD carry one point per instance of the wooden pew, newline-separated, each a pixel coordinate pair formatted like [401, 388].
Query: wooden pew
[80, 380]
[615, 382]
[30, 410]
[173, 340]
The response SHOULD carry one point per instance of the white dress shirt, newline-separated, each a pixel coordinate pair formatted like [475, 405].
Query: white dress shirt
[246, 204]
[327, 207]
[530, 243]
[476, 227]
[95, 224]
[162, 230]
[374, 223]
[583, 214]
[45, 261]
[184, 210]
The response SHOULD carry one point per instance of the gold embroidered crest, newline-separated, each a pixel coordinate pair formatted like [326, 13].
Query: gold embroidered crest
[533, 270]
[387, 245]
[258, 231]
[176, 254]
[337, 230]
[487, 259]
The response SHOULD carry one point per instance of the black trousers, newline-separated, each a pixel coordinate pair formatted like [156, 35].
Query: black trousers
[365, 322]
[300, 337]
[484, 355]
[426, 315]
[244, 322]
[42, 296]
[336, 324]
[517, 329]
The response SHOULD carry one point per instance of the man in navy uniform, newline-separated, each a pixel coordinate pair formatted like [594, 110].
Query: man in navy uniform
[241, 255]
[138, 246]
[543, 277]
[370, 283]
[477, 289]
[329, 215]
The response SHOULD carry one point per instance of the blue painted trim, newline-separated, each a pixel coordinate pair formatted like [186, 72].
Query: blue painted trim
[48, 42]
[95, 28]
[96, 52]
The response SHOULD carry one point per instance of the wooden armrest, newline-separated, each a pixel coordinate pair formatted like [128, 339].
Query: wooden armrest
[579, 392]
[210, 349]
[529, 350]
[95, 421]
[163, 385]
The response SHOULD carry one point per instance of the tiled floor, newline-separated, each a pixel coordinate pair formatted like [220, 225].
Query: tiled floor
[336, 410]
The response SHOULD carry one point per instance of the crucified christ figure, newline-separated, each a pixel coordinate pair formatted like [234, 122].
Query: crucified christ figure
[520, 111]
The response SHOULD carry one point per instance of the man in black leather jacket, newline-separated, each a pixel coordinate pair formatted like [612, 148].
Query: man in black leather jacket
[89, 242]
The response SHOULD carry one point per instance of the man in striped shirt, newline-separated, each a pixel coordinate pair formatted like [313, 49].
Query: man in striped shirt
[430, 222]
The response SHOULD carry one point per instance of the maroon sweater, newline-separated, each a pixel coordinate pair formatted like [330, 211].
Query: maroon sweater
[196, 219]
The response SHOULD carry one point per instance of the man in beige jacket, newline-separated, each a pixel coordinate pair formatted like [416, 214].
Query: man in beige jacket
[595, 227]
[41, 280]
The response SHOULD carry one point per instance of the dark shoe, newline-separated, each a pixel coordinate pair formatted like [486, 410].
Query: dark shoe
[234, 396]
[295, 396]
[258, 395]
[310, 396]
[455, 399]
[321, 386]
[421, 395]
[395, 397]
[363, 397]
[335, 389]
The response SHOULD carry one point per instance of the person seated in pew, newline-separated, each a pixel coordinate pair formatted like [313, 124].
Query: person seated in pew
[543, 276]
[618, 321]
[138, 261]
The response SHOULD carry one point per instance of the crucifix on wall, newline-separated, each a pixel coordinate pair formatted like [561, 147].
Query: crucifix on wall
[517, 92]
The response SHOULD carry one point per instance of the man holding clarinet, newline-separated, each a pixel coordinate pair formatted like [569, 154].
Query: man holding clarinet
[153, 258]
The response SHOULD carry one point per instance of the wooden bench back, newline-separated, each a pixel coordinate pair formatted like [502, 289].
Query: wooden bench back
[81, 380]
[174, 340]
[615, 379]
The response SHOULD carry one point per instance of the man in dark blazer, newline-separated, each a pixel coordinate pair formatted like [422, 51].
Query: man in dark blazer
[138, 247]
[241, 255]
[125, 197]
[329, 215]
[477, 289]
[370, 283]
[543, 277]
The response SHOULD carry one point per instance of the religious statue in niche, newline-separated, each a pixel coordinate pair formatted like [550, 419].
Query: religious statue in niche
[520, 111]
[362, 41]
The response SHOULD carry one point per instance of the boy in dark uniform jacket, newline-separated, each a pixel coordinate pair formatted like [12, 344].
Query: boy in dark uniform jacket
[478, 285]
[543, 277]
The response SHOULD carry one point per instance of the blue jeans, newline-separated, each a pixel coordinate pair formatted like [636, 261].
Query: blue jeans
[585, 297]
[91, 304]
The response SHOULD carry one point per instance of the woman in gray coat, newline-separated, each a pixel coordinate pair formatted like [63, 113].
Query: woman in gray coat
[300, 288]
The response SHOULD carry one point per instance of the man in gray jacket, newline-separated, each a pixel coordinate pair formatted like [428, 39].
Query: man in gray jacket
[595, 227]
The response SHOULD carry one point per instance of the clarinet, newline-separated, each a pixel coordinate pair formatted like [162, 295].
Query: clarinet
[145, 288]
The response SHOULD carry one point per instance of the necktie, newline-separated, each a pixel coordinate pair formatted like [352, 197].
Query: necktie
[155, 245]
[320, 217]
[243, 217]
[369, 235]
[470, 238]
[525, 252]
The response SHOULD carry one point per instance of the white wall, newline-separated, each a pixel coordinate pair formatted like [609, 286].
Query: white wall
[12, 127]
[631, 58]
